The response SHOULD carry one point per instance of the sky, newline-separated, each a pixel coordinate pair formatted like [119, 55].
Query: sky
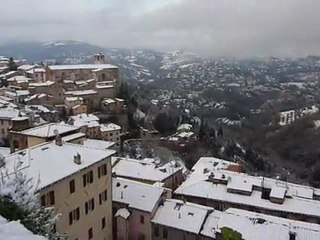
[240, 28]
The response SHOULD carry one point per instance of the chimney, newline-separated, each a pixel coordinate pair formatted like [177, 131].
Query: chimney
[292, 235]
[58, 140]
[77, 159]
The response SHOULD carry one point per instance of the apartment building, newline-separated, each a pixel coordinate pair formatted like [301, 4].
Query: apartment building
[100, 72]
[177, 219]
[110, 132]
[74, 105]
[51, 88]
[33, 136]
[73, 179]
[90, 98]
[221, 189]
[112, 105]
[6, 116]
[134, 205]
[88, 124]
[168, 175]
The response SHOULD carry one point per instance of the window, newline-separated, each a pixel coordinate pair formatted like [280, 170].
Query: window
[142, 219]
[103, 223]
[1, 121]
[156, 231]
[89, 206]
[103, 197]
[141, 236]
[47, 199]
[90, 233]
[102, 170]
[72, 186]
[111, 134]
[87, 178]
[2, 131]
[165, 233]
[74, 215]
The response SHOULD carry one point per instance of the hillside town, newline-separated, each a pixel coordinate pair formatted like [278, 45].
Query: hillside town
[66, 133]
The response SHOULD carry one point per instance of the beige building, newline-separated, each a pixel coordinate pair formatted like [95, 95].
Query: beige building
[49, 87]
[74, 105]
[110, 132]
[90, 98]
[148, 170]
[215, 183]
[112, 105]
[33, 136]
[134, 205]
[75, 181]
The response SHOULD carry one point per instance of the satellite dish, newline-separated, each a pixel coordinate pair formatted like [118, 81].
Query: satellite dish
[56, 132]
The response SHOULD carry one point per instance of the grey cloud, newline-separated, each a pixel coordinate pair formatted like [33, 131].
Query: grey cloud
[212, 27]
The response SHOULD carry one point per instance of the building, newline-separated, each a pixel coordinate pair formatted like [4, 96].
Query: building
[6, 116]
[221, 189]
[73, 179]
[110, 132]
[177, 219]
[99, 72]
[54, 89]
[134, 205]
[148, 171]
[112, 105]
[90, 98]
[33, 136]
[88, 124]
[74, 105]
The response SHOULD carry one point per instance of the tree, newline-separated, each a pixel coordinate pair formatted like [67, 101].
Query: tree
[164, 124]
[18, 201]
[230, 234]
[12, 65]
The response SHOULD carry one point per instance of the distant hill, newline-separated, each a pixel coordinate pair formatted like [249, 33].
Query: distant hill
[39, 51]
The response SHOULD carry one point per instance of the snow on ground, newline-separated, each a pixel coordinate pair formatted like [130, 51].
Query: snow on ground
[14, 230]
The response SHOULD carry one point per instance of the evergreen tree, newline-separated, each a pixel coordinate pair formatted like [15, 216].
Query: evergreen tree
[19, 201]
[12, 65]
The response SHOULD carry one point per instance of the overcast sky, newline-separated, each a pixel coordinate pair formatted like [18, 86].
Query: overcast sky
[213, 27]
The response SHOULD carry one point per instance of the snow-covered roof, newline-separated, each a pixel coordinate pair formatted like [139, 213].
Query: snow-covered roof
[123, 212]
[109, 100]
[14, 230]
[4, 151]
[49, 163]
[71, 99]
[185, 127]
[99, 144]
[82, 66]
[185, 134]
[179, 215]
[81, 92]
[85, 119]
[136, 195]
[19, 79]
[255, 226]
[216, 185]
[49, 130]
[109, 127]
[211, 163]
[74, 136]
[136, 169]
[9, 113]
[26, 67]
[42, 84]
